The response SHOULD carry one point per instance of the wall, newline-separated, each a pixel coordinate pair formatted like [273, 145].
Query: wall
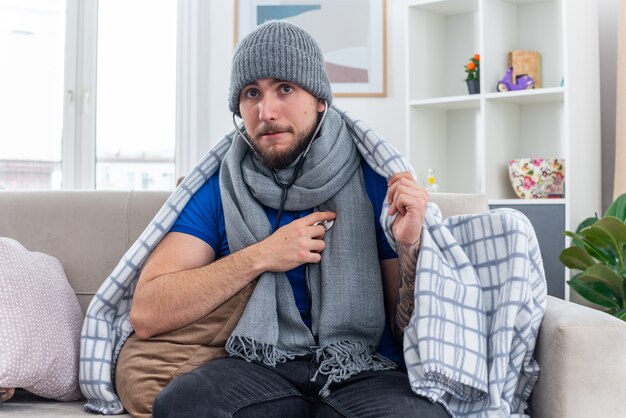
[608, 14]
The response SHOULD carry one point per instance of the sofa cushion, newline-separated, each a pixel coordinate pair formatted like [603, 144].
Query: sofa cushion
[40, 324]
[145, 367]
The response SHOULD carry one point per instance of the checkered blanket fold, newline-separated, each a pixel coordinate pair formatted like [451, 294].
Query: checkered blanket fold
[480, 295]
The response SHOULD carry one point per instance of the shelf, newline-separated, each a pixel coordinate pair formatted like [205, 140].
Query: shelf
[448, 7]
[469, 139]
[532, 96]
[450, 103]
[446, 34]
[444, 139]
[525, 2]
[512, 202]
[526, 25]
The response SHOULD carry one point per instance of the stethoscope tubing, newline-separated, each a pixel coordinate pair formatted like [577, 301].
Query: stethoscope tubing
[285, 186]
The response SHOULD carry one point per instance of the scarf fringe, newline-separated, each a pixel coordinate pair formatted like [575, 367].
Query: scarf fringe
[344, 359]
[252, 350]
[339, 361]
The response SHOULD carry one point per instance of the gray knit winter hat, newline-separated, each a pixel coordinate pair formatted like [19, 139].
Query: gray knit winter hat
[283, 51]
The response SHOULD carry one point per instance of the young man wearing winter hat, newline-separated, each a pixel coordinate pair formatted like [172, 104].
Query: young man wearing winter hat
[295, 208]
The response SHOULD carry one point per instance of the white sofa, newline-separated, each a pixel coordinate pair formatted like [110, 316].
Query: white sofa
[580, 350]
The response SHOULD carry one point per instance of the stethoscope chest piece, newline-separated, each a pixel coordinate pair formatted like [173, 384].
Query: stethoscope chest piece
[327, 224]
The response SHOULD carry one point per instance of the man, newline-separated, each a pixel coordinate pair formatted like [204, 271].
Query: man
[295, 207]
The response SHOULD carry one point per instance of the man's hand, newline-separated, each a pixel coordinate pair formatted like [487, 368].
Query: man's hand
[409, 201]
[297, 243]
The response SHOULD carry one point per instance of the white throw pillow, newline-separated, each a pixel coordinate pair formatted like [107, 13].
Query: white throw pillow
[40, 323]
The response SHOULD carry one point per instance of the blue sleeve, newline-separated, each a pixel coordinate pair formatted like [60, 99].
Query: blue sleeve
[376, 187]
[203, 217]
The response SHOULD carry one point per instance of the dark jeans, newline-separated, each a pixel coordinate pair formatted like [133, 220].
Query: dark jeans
[231, 387]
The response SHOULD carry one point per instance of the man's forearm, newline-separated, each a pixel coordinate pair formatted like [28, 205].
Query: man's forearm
[176, 299]
[407, 260]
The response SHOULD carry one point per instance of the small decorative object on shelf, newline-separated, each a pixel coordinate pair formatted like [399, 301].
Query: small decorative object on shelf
[524, 71]
[525, 62]
[432, 185]
[521, 82]
[535, 178]
[472, 69]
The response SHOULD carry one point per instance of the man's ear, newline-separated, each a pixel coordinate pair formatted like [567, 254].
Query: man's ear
[321, 105]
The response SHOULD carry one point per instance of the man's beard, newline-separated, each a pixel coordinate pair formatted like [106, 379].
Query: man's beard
[280, 160]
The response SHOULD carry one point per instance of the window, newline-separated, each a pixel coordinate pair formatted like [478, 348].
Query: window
[136, 94]
[107, 94]
[32, 34]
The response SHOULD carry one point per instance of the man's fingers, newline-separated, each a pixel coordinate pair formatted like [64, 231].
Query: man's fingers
[398, 180]
[318, 246]
[401, 175]
[402, 189]
[319, 231]
[316, 217]
[315, 224]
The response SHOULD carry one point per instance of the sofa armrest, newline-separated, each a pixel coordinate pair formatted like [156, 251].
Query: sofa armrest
[581, 354]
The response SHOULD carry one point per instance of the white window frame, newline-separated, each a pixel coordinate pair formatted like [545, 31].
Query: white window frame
[192, 83]
[79, 147]
[79, 116]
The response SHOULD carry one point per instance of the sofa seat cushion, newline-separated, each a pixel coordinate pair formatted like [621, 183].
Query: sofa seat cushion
[26, 405]
[40, 322]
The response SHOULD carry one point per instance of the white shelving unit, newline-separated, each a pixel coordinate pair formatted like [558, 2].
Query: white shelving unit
[468, 139]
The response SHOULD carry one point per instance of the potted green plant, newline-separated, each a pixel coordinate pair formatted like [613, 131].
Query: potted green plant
[472, 68]
[599, 250]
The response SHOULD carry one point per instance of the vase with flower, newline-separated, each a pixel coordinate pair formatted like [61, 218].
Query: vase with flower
[472, 68]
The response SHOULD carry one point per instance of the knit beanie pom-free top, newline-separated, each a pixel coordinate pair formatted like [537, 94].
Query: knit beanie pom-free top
[282, 51]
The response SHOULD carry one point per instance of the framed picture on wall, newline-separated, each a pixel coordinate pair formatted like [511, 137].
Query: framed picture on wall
[351, 33]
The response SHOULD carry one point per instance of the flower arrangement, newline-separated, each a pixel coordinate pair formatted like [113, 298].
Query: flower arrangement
[472, 68]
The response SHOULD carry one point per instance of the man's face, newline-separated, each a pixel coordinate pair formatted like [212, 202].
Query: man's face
[279, 117]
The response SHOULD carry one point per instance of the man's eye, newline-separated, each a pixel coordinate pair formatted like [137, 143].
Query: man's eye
[251, 93]
[286, 88]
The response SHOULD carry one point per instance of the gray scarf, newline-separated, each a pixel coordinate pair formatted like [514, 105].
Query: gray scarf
[347, 309]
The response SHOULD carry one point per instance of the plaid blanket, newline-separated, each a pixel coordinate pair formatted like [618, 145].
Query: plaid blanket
[480, 295]
[452, 362]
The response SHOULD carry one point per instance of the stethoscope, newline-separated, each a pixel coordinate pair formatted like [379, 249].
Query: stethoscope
[285, 186]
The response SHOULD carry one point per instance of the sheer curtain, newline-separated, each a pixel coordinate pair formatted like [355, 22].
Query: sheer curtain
[620, 111]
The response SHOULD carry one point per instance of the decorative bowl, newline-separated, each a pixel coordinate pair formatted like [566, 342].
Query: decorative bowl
[535, 178]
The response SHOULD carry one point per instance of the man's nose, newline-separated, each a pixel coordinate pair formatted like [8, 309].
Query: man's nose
[268, 108]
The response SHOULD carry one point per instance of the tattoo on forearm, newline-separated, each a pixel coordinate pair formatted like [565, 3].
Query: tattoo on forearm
[407, 258]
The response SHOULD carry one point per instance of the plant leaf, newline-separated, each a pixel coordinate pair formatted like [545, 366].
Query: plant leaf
[599, 273]
[618, 208]
[573, 235]
[587, 223]
[614, 228]
[577, 239]
[576, 258]
[597, 293]
[604, 255]
[597, 236]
